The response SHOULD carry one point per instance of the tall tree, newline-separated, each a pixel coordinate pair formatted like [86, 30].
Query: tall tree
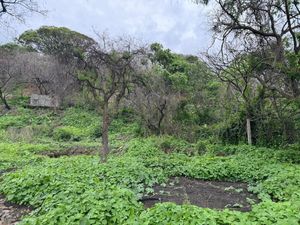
[111, 68]
[65, 44]
[238, 73]
[270, 27]
[186, 80]
[266, 31]
[154, 101]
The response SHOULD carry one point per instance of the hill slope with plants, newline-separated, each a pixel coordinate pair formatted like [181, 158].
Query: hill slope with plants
[78, 190]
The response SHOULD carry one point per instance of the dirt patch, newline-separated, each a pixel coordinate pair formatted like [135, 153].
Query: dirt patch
[2, 172]
[10, 213]
[207, 194]
[73, 151]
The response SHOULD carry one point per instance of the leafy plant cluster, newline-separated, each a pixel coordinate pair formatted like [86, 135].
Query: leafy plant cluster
[79, 190]
[74, 124]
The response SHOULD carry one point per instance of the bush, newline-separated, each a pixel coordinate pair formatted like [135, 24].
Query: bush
[68, 133]
[13, 121]
[71, 133]
[201, 147]
[171, 144]
[95, 131]
[289, 155]
[224, 150]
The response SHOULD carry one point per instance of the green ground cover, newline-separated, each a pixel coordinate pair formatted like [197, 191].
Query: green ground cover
[79, 190]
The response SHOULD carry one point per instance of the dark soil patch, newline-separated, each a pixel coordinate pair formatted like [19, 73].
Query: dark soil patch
[207, 194]
[11, 213]
[73, 151]
[2, 172]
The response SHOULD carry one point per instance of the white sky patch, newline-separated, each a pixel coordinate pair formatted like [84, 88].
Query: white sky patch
[188, 35]
[178, 24]
[163, 23]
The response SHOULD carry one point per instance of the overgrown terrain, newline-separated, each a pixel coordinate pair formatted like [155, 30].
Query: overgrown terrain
[77, 189]
[110, 130]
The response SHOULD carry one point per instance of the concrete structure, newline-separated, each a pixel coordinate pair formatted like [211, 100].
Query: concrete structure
[44, 101]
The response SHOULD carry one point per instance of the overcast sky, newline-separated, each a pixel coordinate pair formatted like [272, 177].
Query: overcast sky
[178, 24]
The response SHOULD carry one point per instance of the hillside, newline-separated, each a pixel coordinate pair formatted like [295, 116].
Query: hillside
[49, 161]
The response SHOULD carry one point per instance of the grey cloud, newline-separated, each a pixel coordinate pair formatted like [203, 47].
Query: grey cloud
[178, 24]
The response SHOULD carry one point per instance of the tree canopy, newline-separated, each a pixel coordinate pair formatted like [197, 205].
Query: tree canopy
[58, 41]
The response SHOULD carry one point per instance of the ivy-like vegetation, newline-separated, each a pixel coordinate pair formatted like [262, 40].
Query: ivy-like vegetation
[79, 190]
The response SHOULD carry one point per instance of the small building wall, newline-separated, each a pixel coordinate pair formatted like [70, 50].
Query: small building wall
[44, 101]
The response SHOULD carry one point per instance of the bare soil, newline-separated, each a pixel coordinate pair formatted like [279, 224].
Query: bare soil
[73, 151]
[2, 172]
[206, 194]
[10, 213]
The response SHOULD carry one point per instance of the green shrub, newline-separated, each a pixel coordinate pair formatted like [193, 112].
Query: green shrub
[290, 155]
[13, 121]
[68, 133]
[15, 155]
[201, 147]
[171, 144]
[95, 131]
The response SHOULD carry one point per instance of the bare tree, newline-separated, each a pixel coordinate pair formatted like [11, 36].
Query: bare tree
[264, 26]
[111, 69]
[154, 101]
[265, 32]
[8, 75]
[47, 73]
[18, 8]
[237, 70]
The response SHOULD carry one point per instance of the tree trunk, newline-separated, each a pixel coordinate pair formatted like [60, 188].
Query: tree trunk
[249, 133]
[295, 88]
[105, 124]
[162, 115]
[4, 101]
